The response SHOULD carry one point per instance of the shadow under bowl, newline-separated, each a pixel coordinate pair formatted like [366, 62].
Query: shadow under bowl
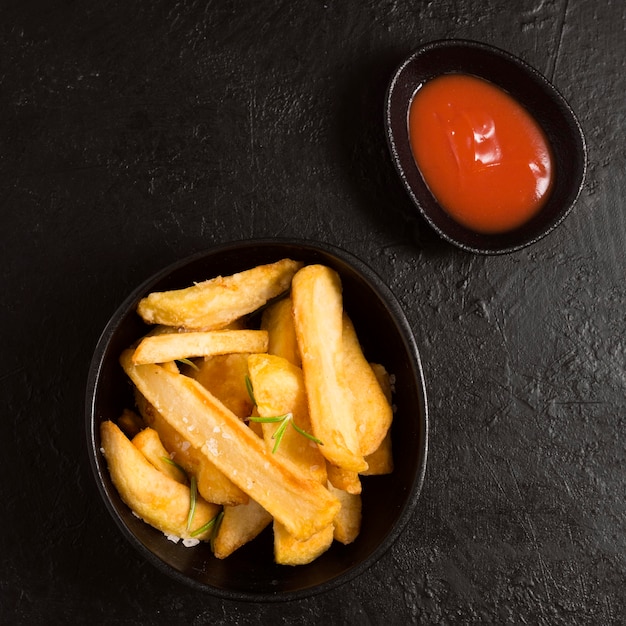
[250, 573]
[531, 90]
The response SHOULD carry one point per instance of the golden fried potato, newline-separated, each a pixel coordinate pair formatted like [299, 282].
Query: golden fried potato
[170, 366]
[347, 523]
[318, 313]
[381, 460]
[173, 346]
[289, 551]
[224, 376]
[213, 486]
[149, 444]
[303, 506]
[384, 380]
[279, 390]
[277, 320]
[344, 479]
[372, 411]
[215, 303]
[239, 525]
[153, 496]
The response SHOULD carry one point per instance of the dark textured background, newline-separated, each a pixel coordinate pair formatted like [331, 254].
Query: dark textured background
[135, 133]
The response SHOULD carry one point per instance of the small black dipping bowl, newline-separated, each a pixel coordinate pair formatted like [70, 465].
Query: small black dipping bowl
[530, 89]
[388, 501]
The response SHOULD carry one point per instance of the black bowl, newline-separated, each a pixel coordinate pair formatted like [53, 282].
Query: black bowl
[388, 501]
[528, 87]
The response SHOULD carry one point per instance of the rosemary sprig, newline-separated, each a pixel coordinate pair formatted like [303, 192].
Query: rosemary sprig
[250, 390]
[203, 529]
[191, 364]
[193, 499]
[284, 421]
[218, 521]
[279, 433]
[305, 434]
[176, 465]
[193, 496]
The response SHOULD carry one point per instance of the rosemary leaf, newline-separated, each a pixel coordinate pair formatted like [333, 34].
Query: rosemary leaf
[279, 433]
[176, 465]
[203, 529]
[270, 420]
[307, 435]
[250, 390]
[216, 528]
[193, 494]
[190, 363]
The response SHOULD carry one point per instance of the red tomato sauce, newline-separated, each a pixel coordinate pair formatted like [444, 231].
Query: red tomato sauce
[482, 155]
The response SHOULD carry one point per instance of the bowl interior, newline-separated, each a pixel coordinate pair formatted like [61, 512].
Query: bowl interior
[530, 89]
[250, 573]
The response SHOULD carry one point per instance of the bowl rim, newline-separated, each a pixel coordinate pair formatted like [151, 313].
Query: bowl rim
[536, 76]
[374, 282]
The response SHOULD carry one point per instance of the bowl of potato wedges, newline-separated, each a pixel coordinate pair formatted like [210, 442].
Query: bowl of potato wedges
[257, 421]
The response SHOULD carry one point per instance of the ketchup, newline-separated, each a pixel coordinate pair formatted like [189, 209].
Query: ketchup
[482, 155]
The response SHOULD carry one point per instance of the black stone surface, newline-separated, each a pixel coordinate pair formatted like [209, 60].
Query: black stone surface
[134, 134]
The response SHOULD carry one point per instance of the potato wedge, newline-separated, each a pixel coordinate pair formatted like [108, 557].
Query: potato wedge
[277, 320]
[154, 497]
[149, 444]
[372, 411]
[303, 506]
[239, 525]
[381, 460]
[279, 390]
[347, 523]
[213, 486]
[384, 380]
[171, 366]
[215, 303]
[344, 479]
[225, 377]
[318, 312]
[173, 346]
[289, 551]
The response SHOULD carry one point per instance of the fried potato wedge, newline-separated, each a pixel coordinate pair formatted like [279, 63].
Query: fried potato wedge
[217, 302]
[239, 525]
[224, 376]
[289, 551]
[304, 506]
[344, 479]
[149, 444]
[277, 320]
[279, 390]
[171, 366]
[213, 486]
[381, 460]
[318, 313]
[384, 380]
[347, 523]
[372, 411]
[154, 497]
[173, 346]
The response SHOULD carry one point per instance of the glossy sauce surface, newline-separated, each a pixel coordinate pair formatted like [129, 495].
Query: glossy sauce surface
[482, 155]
